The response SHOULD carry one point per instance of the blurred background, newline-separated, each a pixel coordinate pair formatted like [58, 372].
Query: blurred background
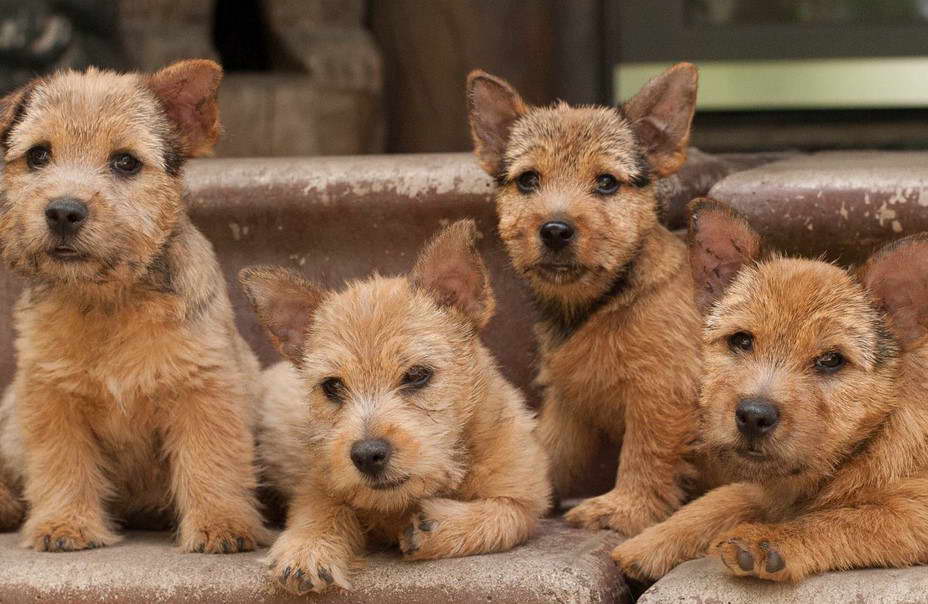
[336, 77]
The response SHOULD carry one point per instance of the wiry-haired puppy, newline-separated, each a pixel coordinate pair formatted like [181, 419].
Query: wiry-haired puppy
[393, 423]
[619, 333]
[813, 407]
[134, 394]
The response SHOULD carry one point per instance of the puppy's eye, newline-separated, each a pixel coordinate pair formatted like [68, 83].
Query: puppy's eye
[606, 184]
[125, 164]
[528, 181]
[830, 362]
[417, 377]
[333, 388]
[741, 341]
[38, 156]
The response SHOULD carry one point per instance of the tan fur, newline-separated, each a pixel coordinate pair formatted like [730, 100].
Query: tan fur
[466, 475]
[842, 479]
[134, 393]
[619, 333]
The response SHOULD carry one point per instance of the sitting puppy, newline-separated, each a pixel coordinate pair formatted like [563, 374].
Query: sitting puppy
[813, 408]
[393, 424]
[134, 393]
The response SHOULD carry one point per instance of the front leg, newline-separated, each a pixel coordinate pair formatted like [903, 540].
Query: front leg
[211, 452]
[65, 485]
[689, 532]
[568, 441]
[445, 528]
[884, 530]
[11, 507]
[319, 546]
[652, 474]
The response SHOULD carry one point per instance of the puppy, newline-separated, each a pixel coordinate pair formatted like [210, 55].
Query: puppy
[619, 333]
[813, 408]
[393, 424]
[134, 394]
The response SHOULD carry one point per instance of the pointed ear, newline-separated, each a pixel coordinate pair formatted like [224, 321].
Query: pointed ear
[896, 276]
[720, 242]
[284, 303]
[493, 106]
[452, 271]
[661, 115]
[12, 109]
[188, 90]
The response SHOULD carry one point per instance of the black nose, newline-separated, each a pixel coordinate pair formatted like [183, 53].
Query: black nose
[756, 416]
[65, 215]
[371, 455]
[556, 235]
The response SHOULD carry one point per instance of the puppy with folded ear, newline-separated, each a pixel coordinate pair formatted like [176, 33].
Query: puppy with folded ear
[392, 423]
[813, 410]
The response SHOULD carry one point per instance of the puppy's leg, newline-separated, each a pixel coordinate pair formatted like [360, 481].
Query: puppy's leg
[446, 528]
[568, 442]
[64, 481]
[211, 452]
[11, 507]
[652, 471]
[888, 529]
[687, 534]
[319, 545]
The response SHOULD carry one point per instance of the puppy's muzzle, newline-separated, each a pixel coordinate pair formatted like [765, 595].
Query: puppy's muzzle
[371, 456]
[65, 216]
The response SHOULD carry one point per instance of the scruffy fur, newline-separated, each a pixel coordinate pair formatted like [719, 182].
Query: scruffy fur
[619, 331]
[841, 481]
[466, 475]
[134, 394]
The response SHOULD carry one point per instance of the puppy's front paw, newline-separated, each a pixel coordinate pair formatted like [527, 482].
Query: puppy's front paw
[220, 538]
[644, 559]
[66, 536]
[750, 551]
[611, 511]
[302, 567]
[416, 541]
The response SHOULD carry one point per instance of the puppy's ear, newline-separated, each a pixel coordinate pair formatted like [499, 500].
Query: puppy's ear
[284, 302]
[452, 271]
[720, 241]
[188, 91]
[661, 115]
[896, 276]
[493, 106]
[12, 109]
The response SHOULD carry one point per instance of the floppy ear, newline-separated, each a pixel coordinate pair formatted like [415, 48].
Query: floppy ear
[896, 276]
[661, 115]
[12, 108]
[493, 106]
[720, 242]
[452, 271]
[188, 90]
[284, 302]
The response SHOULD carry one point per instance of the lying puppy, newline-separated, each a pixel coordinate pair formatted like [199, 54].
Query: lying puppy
[813, 407]
[393, 424]
[134, 394]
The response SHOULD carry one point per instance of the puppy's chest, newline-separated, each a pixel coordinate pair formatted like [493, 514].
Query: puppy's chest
[136, 352]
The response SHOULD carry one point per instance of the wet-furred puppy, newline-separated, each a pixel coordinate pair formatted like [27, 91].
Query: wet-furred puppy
[393, 424]
[813, 410]
[134, 394]
[619, 333]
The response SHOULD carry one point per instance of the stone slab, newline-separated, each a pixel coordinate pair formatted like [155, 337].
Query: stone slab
[706, 582]
[559, 565]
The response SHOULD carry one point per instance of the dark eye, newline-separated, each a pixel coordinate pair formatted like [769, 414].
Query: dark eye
[38, 156]
[333, 388]
[606, 184]
[125, 164]
[830, 362]
[528, 181]
[417, 377]
[741, 341]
